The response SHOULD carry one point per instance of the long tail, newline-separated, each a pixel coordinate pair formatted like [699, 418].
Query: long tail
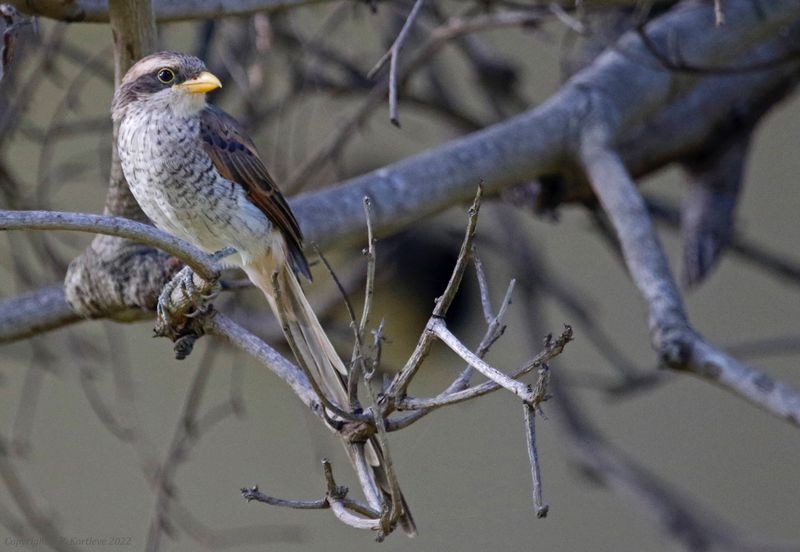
[304, 333]
[311, 345]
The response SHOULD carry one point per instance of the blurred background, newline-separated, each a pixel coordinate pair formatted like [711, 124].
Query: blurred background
[89, 412]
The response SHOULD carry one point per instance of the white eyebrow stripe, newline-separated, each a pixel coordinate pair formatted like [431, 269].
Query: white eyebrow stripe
[146, 66]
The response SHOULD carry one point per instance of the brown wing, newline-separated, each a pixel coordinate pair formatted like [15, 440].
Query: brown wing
[235, 157]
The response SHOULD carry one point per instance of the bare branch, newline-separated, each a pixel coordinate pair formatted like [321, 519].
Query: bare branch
[121, 227]
[35, 312]
[675, 340]
[401, 381]
[97, 11]
[335, 498]
[357, 362]
[393, 54]
[521, 390]
[552, 349]
[494, 324]
[253, 493]
[369, 286]
[222, 326]
[486, 301]
[529, 415]
[443, 302]
[535, 143]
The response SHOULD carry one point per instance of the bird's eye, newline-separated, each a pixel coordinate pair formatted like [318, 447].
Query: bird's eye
[166, 75]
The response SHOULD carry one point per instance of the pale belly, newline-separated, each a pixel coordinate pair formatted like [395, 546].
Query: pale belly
[177, 187]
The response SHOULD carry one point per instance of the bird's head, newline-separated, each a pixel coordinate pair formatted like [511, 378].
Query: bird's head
[164, 81]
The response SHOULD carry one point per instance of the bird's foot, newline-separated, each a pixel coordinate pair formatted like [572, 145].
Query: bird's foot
[180, 309]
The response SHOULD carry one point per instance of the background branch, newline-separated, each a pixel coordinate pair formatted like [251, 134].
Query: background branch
[658, 84]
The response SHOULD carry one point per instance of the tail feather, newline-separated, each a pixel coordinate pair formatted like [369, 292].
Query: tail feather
[311, 345]
[305, 334]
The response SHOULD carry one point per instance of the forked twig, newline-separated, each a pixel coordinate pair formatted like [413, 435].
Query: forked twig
[335, 498]
[392, 55]
[397, 388]
[540, 394]
[521, 390]
[369, 291]
[552, 349]
[359, 369]
[366, 435]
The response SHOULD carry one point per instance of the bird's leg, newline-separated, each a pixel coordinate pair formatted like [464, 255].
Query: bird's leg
[183, 299]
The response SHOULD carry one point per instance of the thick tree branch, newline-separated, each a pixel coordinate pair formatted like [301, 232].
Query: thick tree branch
[642, 250]
[539, 141]
[35, 312]
[120, 227]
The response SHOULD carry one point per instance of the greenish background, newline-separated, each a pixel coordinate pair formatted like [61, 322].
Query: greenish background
[464, 469]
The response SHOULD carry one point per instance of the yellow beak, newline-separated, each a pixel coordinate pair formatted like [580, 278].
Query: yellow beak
[204, 82]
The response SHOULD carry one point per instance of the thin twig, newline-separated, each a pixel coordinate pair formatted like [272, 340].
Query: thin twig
[396, 506]
[252, 493]
[521, 390]
[552, 349]
[356, 368]
[335, 498]
[494, 330]
[486, 301]
[342, 291]
[393, 54]
[529, 415]
[400, 383]
[336, 495]
[443, 302]
[371, 254]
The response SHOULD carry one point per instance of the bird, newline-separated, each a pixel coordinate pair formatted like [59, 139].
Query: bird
[197, 175]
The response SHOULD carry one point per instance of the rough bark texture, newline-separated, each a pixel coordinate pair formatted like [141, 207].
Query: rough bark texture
[114, 275]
